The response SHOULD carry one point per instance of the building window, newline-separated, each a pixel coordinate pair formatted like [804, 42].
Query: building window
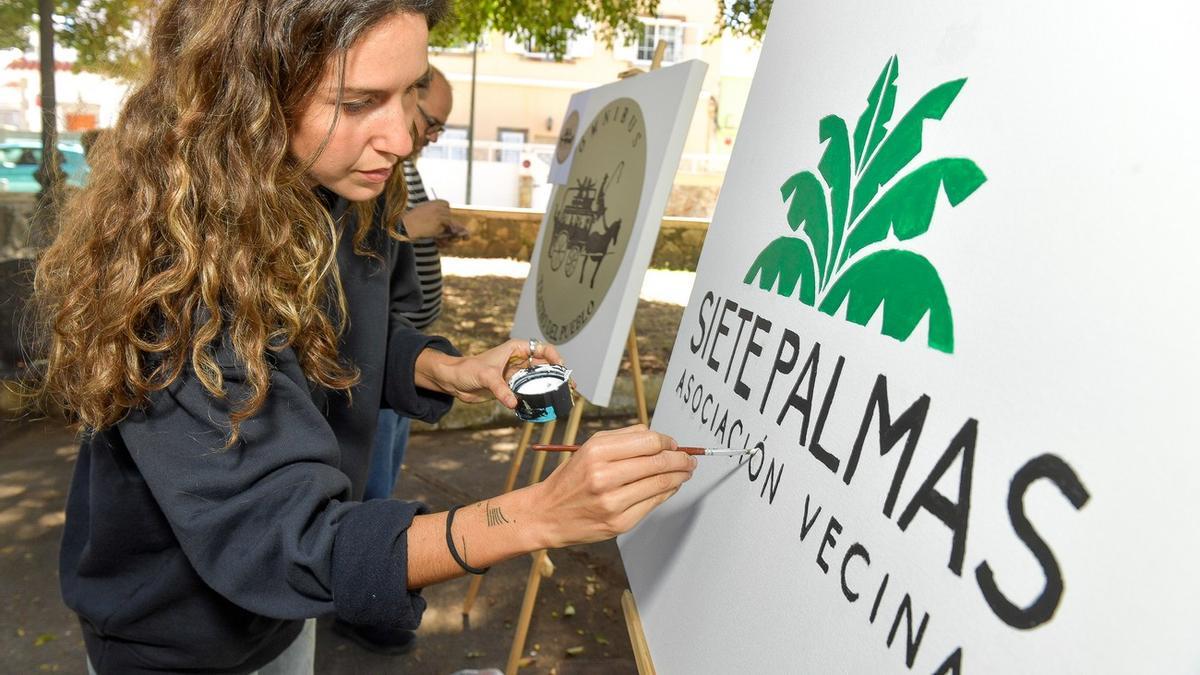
[582, 45]
[461, 47]
[512, 143]
[655, 30]
[451, 145]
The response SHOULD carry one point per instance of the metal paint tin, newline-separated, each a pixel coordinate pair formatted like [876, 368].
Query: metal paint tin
[543, 392]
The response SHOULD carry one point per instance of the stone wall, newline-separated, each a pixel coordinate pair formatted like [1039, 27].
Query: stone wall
[16, 238]
[511, 233]
[693, 201]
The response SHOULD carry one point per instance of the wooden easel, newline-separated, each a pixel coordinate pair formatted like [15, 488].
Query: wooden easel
[569, 437]
[542, 567]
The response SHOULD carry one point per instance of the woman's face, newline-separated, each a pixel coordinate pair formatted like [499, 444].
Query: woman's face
[374, 130]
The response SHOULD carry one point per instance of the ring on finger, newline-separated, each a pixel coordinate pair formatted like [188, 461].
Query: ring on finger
[534, 343]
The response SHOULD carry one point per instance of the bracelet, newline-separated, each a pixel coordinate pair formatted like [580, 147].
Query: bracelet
[450, 545]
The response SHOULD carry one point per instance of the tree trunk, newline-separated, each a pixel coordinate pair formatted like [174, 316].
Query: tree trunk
[49, 174]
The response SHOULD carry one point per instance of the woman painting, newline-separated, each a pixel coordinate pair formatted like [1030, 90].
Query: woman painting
[212, 309]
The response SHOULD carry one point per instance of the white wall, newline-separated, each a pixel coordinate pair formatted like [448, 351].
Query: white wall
[493, 183]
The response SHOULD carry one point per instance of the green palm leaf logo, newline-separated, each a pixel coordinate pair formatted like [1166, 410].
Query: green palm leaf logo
[842, 216]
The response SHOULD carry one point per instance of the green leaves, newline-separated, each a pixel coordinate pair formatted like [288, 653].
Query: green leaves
[844, 219]
[788, 261]
[907, 208]
[808, 210]
[881, 102]
[903, 143]
[835, 169]
[906, 285]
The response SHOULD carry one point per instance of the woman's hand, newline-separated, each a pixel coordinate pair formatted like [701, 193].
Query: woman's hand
[428, 220]
[474, 379]
[606, 488]
[609, 485]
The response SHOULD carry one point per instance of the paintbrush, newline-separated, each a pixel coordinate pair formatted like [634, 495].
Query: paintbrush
[700, 452]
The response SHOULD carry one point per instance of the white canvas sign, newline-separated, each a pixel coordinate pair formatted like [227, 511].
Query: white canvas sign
[950, 291]
[602, 222]
[564, 149]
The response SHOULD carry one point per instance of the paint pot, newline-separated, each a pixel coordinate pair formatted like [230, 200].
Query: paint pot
[543, 392]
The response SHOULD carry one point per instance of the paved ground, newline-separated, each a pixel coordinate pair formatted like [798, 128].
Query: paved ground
[38, 634]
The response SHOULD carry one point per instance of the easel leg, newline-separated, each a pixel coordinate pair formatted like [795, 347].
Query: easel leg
[509, 483]
[541, 559]
[531, 591]
[522, 446]
[539, 462]
[639, 387]
[572, 427]
[633, 621]
[542, 566]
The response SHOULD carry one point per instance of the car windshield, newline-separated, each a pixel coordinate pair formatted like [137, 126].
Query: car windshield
[21, 156]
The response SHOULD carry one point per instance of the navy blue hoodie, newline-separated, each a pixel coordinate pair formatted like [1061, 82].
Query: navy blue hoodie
[181, 556]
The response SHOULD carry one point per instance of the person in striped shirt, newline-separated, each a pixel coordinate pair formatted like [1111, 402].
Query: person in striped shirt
[428, 225]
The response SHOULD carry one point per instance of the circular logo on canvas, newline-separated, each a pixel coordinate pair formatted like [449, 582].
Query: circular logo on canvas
[591, 220]
[566, 138]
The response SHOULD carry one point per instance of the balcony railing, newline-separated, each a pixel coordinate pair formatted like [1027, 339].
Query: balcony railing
[540, 156]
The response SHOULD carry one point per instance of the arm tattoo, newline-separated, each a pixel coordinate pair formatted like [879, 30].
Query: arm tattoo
[496, 517]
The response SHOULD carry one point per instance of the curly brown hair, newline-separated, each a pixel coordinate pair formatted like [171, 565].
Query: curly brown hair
[197, 225]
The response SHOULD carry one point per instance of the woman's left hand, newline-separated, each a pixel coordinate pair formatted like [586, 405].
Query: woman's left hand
[474, 379]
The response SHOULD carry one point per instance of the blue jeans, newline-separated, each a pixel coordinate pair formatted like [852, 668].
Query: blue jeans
[298, 659]
[391, 439]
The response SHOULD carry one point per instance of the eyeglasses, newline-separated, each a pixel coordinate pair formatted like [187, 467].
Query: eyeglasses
[433, 126]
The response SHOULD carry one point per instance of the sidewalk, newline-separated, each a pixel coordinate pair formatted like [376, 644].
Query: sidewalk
[38, 634]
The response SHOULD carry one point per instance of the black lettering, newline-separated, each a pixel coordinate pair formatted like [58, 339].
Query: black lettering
[712, 321]
[911, 644]
[856, 550]
[773, 483]
[879, 597]
[704, 409]
[804, 405]
[745, 315]
[1052, 468]
[762, 459]
[953, 514]
[698, 341]
[721, 429]
[739, 387]
[824, 456]
[952, 664]
[722, 329]
[909, 425]
[805, 523]
[679, 389]
[790, 339]
[828, 539]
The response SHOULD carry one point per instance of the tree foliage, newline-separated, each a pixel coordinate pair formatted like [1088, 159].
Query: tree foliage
[549, 24]
[107, 34]
[744, 17]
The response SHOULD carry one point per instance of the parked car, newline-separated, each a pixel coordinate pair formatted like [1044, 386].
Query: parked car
[20, 158]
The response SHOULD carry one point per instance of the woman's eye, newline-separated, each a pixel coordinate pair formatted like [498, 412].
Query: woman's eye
[352, 107]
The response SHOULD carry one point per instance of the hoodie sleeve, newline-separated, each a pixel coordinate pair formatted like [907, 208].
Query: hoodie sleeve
[268, 523]
[405, 343]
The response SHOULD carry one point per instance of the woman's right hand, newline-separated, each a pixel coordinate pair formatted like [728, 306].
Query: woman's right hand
[609, 485]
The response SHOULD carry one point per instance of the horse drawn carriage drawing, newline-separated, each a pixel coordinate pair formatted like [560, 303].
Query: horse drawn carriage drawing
[581, 231]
